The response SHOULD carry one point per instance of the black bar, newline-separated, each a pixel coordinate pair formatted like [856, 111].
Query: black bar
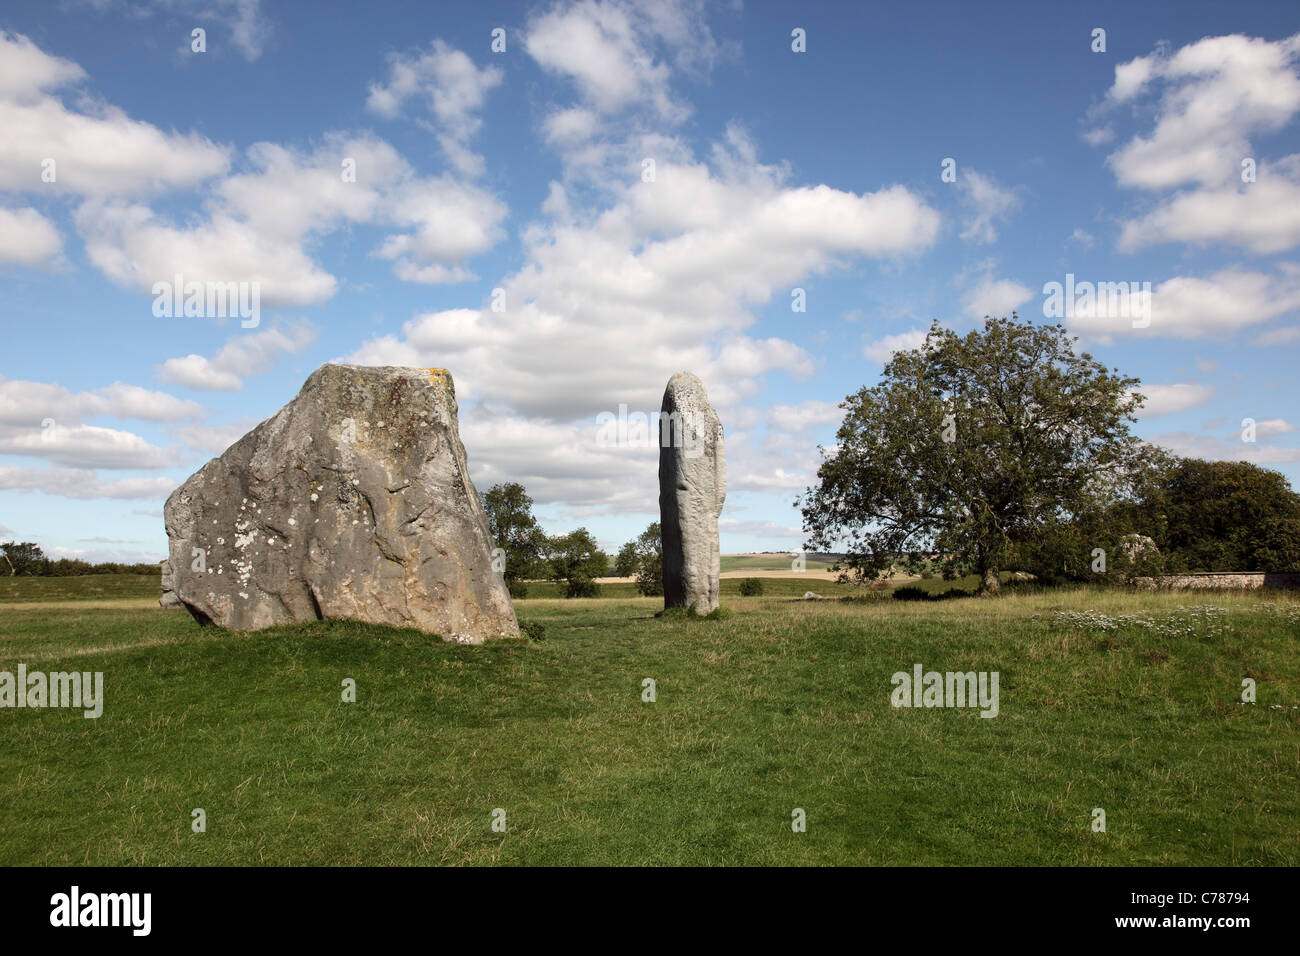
[331, 905]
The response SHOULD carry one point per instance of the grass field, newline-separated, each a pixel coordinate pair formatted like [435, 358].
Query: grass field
[784, 705]
[89, 587]
[767, 562]
[793, 586]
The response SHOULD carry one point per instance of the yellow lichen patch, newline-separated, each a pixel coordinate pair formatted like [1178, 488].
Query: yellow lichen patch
[442, 378]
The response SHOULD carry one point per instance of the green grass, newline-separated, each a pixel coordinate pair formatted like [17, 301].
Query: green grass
[79, 587]
[730, 587]
[784, 705]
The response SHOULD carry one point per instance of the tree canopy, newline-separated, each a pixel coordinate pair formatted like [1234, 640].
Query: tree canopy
[22, 557]
[509, 512]
[576, 561]
[970, 447]
[643, 558]
[1225, 516]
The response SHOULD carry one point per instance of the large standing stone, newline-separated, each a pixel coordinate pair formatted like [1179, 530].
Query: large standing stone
[353, 501]
[692, 487]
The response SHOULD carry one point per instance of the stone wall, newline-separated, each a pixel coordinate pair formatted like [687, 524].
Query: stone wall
[1234, 580]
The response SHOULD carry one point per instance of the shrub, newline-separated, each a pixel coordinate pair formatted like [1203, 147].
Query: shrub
[751, 587]
[533, 630]
[581, 586]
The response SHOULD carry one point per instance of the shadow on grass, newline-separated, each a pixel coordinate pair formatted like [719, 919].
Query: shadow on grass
[910, 593]
[1008, 588]
[719, 613]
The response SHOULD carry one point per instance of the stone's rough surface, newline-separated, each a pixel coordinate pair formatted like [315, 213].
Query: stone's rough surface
[353, 501]
[169, 598]
[692, 487]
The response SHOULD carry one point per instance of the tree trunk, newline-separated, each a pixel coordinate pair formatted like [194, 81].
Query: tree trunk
[989, 582]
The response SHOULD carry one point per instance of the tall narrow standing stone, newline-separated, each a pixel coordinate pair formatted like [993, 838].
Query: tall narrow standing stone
[692, 487]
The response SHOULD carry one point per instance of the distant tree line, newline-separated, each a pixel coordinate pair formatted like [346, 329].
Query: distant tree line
[26, 558]
[530, 554]
[1188, 516]
[573, 560]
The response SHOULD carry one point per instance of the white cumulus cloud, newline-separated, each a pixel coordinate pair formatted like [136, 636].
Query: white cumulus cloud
[27, 238]
[240, 357]
[82, 483]
[1188, 307]
[1210, 100]
[1167, 399]
[92, 149]
[881, 350]
[987, 203]
[995, 297]
[454, 91]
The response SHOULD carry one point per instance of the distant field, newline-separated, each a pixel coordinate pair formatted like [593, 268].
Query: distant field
[767, 562]
[784, 705]
[79, 587]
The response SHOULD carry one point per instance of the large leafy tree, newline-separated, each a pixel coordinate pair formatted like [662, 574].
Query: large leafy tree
[510, 518]
[643, 558]
[969, 448]
[575, 560]
[22, 557]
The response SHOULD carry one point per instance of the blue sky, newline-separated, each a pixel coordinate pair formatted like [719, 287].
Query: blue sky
[523, 170]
